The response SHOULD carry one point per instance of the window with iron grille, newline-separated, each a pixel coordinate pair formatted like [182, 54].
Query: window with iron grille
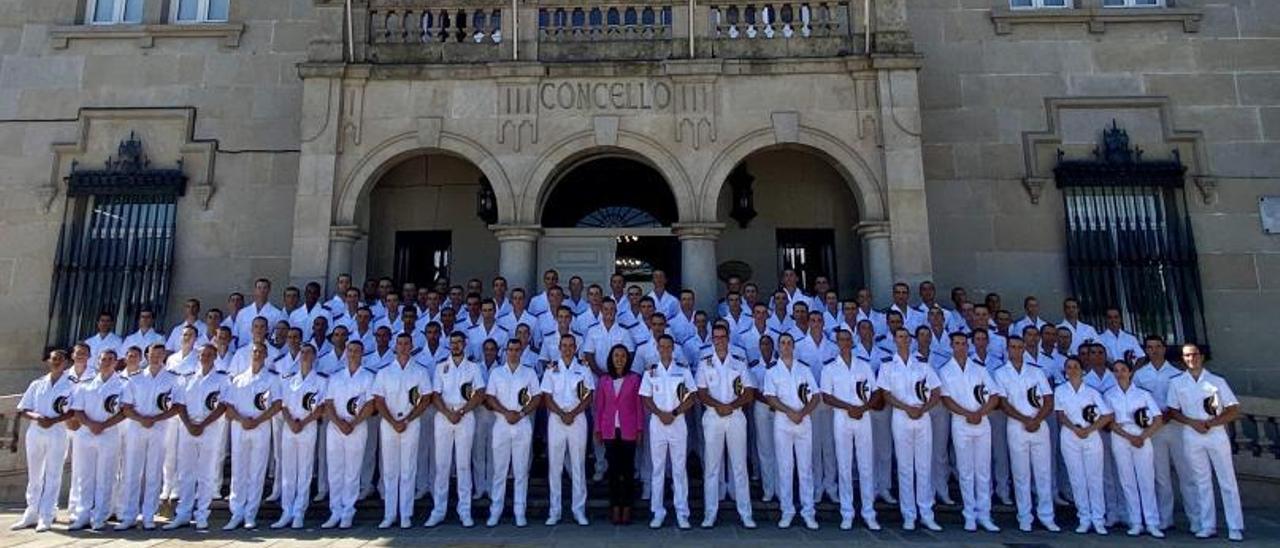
[1129, 240]
[115, 250]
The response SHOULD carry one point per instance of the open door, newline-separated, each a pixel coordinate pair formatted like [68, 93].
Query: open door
[578, 252]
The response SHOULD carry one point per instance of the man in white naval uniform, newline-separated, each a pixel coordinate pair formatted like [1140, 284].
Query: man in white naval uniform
[667, 388]
[1080, 332]
[1206, 404]
[250, 405]
[145, 336]
[569, 387]
[539, 304]
[815, 349]
[105, 338]
[970, 393]
[190, 318]
[98, 408]
[261, 307]
[663, 300]
[911, 387]
[514, 395]
[1169, 455]
[148, 403]
[1120, 344]
[402, 392]
[1028, 402]
[457, 390]
[46, 403]
[792, 392]
[199, 439]
[300, 395]
[849, 387]
[348, 405]
[724, 388]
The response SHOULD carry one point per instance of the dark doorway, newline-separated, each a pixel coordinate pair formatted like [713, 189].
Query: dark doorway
[610, 192]
[422, 256]
[810, 252]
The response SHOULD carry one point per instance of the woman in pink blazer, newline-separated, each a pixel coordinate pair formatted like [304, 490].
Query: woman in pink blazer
[619, 418]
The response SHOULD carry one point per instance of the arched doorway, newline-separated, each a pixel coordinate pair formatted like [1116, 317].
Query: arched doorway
[425, 221]
[804, 218]
[609, 213]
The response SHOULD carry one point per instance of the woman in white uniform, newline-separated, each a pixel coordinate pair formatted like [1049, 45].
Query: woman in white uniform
[1082, 411]
[1137, 418]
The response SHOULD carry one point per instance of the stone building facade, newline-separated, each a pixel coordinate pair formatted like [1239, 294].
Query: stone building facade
[881, 140]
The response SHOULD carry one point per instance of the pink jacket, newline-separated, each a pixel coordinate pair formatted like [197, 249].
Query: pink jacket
[625, 405]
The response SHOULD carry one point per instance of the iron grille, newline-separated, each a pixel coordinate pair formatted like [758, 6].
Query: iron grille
[115, 249]
[1130, 242]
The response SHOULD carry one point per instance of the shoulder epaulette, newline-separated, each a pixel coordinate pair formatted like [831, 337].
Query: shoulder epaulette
[218, 371]
[325, 307]
[753, 363]
[632, 325]
[370, 370]
[886, 359]
[371, 352]
[272, 371]
[804, 363]
[879, 338]
[322, 375]
[883, 349]
[323, 354]
[576, 332]
[282, 356]
[549, 333]
[922, 357]
[979, 362]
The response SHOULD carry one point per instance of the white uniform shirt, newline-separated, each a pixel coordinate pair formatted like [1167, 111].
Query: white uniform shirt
[793, 386]
[1156, 380]
[201, 394]
[970, 386]
[853, 383]
[251, 394]
[666, 303]
[244, 320]
[99, 342]
[749, 338]
[515, 389]
[402, 386]
[142, 340]
[1082, 407]
[511, 321]
[669, 385]
[550, 350]
[478, 334]
[816, 354]
[600, 339]
[568, 384]
[456, 382]
[724, 379]
[1120, 346]
[303, 319]
[174, 342]
[349, 392]
[301, 395]
[47, 398]
[1080, 333]
[909, 381]
[1135, 409]
[98, 398]
[1053, 365]
[1025, 390]
[151, 395]
[1102, 383]
[242, 359]
[1200, 399]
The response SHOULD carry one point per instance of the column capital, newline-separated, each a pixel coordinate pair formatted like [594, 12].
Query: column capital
[526, 233]
[697, 231]
[345, 233]
[870, 230]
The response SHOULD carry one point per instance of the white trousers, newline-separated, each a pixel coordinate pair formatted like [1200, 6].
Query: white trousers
[973, 465]
[1207, 453]
[1135, 470]
[369, 461]
[570, 439]
[277, 444]
[320, 459]
[669, 442]
[793, 448]
[426, 454]
[725, 434]
[853, 444]
[913, 445]
[1000, 452]
[201, 456]
[399, 468]
[940, 473]
[98, 457]
[297, 458]
[143, 464]
[169, 487]
[1170, 457]
[482, 450]
[345, 460]
[825, 476]
[1083, 458]
[250, 450]
[1031, 462]
[1110, 485]
[46, 456]
[882, 441]
[763, 424]
[453, 444]
[510, 444]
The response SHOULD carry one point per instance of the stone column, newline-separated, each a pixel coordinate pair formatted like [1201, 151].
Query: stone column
[517, 254]
[908, 212]
[877, 259]
[698, 259]
[317, 175]
[341, 240]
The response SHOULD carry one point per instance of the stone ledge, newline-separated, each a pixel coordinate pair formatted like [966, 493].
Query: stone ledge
[1096, 19]
[60, 37]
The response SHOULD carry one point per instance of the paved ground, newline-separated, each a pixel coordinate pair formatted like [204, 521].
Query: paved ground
[1262, 520]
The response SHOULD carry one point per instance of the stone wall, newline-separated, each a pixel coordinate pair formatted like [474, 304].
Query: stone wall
[235, 91]
[983, 88]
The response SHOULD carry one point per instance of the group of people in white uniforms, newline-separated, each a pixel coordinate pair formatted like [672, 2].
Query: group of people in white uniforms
[884, 381]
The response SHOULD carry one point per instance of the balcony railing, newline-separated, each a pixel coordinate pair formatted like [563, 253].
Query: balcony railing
[468, 31]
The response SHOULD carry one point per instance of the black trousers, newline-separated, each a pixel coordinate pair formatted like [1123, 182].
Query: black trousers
[621, 455]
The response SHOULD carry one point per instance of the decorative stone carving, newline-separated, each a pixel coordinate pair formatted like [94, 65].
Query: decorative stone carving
[517, 115]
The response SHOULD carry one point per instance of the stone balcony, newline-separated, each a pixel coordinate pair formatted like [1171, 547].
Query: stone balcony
[487, 31]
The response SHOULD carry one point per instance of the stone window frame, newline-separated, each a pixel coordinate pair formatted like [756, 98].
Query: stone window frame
[119, 9]
[202, 12]
[1094, 15]
[1040, 5]
[157, 22]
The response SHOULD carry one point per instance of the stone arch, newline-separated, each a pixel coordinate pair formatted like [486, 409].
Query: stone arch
[582, 146]
[868, 190]
[373, 165]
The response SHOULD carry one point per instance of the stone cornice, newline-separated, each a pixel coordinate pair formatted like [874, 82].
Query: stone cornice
[60, 37]
[1096, 19]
